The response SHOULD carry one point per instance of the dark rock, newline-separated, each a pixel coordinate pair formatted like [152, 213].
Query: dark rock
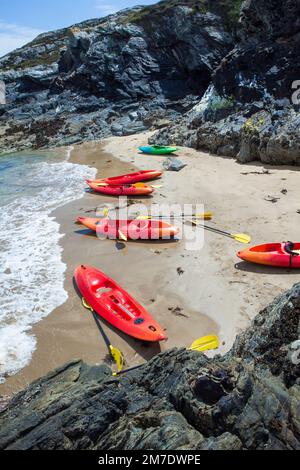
[247, 399]
[250, 110]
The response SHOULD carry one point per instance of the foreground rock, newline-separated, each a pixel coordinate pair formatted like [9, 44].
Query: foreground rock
[134, 70]
[248, 399]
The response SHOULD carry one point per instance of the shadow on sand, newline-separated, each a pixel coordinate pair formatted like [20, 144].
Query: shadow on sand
[261, 269]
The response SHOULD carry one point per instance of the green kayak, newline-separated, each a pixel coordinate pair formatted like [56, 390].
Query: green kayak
[158, 149]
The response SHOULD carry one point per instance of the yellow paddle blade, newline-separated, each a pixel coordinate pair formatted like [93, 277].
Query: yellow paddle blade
[118, 357]
[143, 185]
[205, 216]
[105, 212]
[86, 305]
[242, 238]
[122, 236]
[205, 343]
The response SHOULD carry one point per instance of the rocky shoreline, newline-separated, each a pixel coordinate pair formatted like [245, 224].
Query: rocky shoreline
[247, 399]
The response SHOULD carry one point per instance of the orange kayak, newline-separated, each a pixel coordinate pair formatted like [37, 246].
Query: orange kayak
[132, 229]
[131, 178]
[116, 306]
[272, 254]
[123, 190]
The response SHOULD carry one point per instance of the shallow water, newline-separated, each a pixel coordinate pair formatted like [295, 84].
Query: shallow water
[32, 185]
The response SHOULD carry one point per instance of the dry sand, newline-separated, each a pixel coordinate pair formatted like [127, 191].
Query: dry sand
[216, 292]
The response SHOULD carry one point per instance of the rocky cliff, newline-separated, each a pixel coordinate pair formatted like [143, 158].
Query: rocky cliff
[122, 74]
[247, 399]
[251, 109]
[218, 75]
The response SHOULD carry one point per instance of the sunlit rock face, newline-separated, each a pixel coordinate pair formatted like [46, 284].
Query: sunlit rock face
[122, 74]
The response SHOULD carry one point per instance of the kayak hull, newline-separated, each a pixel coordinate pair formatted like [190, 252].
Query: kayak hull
[116, 306]
[132, 229]
[123, 190]
[156, 150]
[271, 254]
[131, 178]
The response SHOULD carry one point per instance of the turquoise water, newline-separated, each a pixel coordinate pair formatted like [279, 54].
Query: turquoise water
[17, 175]
[32, 186]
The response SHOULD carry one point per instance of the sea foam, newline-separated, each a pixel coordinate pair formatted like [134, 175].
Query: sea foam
[31, 267]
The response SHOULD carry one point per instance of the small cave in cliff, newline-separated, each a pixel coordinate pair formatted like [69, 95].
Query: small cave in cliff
[185, 83]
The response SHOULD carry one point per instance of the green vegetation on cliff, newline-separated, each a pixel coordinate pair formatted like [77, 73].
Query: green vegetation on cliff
[229, 10]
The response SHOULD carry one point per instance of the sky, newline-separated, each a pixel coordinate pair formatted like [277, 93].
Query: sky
[21, 21]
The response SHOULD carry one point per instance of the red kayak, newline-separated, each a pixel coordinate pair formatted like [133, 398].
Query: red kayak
[132, 229]
[125, 190]
[131, 178]
[272, 254]
[116, 306]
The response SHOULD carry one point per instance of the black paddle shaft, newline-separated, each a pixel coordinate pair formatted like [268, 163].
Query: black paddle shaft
[213, 229]
[99, 326]
[131, 369]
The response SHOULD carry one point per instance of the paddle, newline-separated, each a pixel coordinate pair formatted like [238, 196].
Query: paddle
[205, 343]
[122, 236]
[114, 352]
[136, 185]
[201, 344]
[240, 237]
[204, 216]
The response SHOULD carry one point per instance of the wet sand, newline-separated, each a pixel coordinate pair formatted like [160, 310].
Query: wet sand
[215, 291]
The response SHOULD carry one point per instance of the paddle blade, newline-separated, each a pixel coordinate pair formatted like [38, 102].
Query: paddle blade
[105, 212]
[242, 238]
[122, 236]
[205, 216]
[101, 184]
[206, 343]
[86, 305]
[118, 357]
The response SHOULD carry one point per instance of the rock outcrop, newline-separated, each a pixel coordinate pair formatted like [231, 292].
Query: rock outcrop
[218, 75]
[251, 109]
[247, 399]
[134, 70]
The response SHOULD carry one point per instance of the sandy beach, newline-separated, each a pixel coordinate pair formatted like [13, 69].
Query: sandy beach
[211, 289]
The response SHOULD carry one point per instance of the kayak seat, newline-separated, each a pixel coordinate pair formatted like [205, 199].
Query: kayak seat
[104, 290]
[124, 310]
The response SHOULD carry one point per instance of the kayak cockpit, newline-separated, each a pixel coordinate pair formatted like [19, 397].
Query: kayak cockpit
[267, 248]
